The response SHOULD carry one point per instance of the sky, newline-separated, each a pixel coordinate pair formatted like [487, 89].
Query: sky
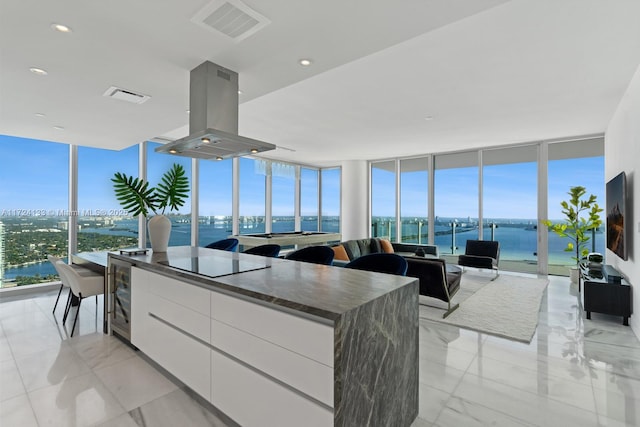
[41, 184]
[509, 190]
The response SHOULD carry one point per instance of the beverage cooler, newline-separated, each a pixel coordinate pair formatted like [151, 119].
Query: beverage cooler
[120, 298]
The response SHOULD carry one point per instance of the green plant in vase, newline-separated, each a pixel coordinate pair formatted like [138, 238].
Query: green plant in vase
[581, 216]
[138, 198]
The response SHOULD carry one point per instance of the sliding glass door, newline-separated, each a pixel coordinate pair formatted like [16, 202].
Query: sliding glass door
[510, 200]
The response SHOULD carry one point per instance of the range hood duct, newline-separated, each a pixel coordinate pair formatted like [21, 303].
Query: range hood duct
[213, 118]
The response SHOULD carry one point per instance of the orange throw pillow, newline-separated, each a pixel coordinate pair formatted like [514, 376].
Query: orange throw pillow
[386, 246]
[340, 253]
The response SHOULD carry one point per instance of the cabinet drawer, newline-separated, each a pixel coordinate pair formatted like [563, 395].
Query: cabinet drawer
[179, 292]
[300, 372]
[184, 357]
[303, 336]
[181, 317]
[253, 400]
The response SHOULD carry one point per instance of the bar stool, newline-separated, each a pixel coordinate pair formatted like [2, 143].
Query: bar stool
[82, 286]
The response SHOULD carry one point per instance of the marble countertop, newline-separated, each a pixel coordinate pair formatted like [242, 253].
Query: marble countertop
[323, 291]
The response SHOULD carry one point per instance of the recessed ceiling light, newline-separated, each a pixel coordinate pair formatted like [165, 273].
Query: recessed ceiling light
[58, 128]
[173, 151]
[40, 114]
[206, 140]
[254, 150]
[38, 71]
[61, 28]
[305, 62]
[218, 158]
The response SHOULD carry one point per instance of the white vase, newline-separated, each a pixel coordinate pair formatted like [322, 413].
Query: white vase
[573, 275]
[159, 230]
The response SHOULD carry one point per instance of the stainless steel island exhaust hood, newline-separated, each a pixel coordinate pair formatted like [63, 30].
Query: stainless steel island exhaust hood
[213, 118]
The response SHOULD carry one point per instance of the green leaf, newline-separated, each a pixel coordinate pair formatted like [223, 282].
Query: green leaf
[133, 194]
[173, 189]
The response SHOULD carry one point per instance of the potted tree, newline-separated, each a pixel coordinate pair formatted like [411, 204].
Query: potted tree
[581, 216]
[138, 198]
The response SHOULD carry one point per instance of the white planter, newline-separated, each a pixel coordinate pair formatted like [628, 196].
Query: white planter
[573, 275]
[159, 230]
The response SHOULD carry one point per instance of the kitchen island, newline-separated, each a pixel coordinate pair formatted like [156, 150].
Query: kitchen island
[278, 342]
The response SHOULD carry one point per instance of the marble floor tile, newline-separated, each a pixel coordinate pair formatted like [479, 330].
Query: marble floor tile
[431, 401]
[17, 307]
[78, 401]
[439, 376]
[419, 422]
[17, 412]
[34, 341]
[123, 420]
[134, 382]
[526, 406]
[29, 321]
[575, 372]
[459, 412]
[5, 349]
[620, 401]
[99, 350]
[50, 367]
[89, 320]
[539, 381]
[10, 381]
[175, 409]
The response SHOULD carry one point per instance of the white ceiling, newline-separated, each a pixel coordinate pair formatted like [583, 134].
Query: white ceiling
[489, 72]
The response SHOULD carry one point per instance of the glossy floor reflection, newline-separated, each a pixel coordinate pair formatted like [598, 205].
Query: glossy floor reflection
[575, 372]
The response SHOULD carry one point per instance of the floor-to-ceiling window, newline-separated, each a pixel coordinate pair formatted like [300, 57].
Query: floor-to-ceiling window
[456, 201]
[34, 200]
[102, 223]
[330, 200]
[252, 195]
[309, 202]
[510, 195]
[383, 199]
[215, 221]
[574, 163]
[283, 188]
[157, 165]
[414, 192]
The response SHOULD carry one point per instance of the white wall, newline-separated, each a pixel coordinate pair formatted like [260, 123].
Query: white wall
[355, 200]
[622, 153]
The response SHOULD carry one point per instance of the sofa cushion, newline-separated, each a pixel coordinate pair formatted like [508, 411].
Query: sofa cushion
[352, 248]
[365, 246]
[375, 246]
[386, 246]
[340, 253]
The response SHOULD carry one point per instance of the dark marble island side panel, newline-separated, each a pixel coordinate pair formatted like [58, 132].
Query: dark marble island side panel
[376, 361]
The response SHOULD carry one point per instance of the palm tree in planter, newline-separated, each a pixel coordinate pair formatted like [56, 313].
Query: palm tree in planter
[138, 198]
[581, 216]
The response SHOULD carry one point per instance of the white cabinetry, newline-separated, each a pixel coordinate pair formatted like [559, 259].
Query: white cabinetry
[165, 330]
[259, 365]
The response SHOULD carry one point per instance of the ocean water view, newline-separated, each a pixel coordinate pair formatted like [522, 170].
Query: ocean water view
[209, 230]
[517, 237]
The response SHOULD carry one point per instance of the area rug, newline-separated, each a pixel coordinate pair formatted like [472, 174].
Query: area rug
[506, 307]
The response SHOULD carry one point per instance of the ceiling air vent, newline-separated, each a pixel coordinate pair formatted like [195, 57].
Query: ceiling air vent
[232, 18]
[125, 95]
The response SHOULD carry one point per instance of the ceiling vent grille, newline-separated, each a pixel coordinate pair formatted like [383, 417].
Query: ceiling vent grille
[232, 18]
[125, 95]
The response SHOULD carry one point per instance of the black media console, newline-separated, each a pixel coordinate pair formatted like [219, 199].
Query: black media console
[603, 296]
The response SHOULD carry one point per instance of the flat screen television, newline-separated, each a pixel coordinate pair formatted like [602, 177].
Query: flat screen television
[616, 210]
